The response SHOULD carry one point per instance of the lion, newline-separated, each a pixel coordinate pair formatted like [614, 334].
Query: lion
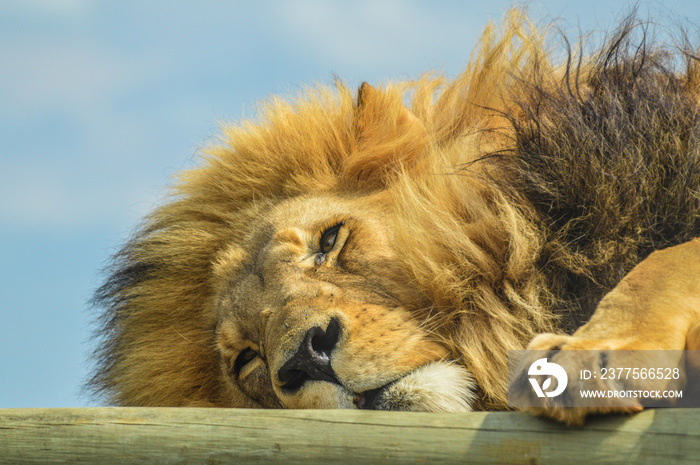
[386, 250]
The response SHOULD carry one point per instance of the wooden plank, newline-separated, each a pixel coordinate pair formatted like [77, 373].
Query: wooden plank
[222, 436]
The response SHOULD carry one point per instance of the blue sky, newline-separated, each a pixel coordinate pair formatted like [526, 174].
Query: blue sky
[102, 102]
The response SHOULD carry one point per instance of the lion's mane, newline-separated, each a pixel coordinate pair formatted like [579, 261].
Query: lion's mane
[526, 192]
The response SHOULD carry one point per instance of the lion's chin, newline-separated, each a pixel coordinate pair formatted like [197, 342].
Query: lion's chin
[435, 387]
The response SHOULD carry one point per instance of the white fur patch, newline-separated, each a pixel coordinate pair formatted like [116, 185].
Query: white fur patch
[435, 387]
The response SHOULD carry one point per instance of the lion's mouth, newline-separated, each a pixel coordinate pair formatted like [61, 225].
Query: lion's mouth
[370, 400]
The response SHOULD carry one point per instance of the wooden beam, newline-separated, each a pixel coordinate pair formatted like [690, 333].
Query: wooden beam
[220, 436]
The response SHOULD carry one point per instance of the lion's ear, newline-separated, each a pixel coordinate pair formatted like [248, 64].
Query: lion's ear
[387, 136]
[374, 108]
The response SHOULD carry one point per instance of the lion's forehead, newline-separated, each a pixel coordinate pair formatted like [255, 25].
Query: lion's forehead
[296, 224]
[276, 265]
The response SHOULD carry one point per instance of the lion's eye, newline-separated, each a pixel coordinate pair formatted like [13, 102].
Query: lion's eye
[246, 356]
[328, 238]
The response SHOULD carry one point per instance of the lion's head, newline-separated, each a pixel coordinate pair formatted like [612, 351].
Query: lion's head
[339, 252]
[313, 311]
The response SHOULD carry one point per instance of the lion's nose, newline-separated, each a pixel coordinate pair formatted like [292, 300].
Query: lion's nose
[312, 360]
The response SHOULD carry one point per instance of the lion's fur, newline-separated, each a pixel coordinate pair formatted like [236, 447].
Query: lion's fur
[523, 190]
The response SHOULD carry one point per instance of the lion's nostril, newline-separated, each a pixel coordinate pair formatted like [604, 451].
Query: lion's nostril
[323, 342]
[312, 361]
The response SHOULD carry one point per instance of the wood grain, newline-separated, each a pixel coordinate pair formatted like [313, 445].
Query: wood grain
[222, 436]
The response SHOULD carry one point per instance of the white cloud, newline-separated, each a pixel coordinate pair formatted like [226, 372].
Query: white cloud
[67, 73]
[74, 155]
[49, 196]
[368, 33]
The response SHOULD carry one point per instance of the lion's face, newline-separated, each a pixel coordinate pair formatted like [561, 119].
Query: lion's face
[315, 312]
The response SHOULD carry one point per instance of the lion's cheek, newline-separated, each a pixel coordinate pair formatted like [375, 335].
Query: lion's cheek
[374, 357]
